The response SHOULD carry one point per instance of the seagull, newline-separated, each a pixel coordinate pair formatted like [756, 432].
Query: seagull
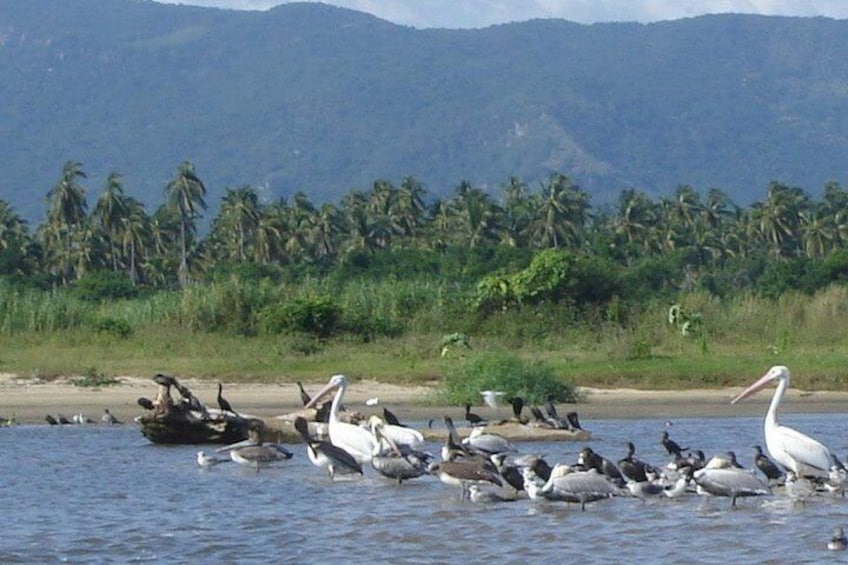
[838, 542]
[205, 460]
[108, 417]
[372, 401]
[490, 397]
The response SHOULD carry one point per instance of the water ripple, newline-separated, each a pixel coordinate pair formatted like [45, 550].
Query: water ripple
[90, 494]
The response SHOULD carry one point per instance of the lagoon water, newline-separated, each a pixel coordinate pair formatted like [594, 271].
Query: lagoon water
[92, 494]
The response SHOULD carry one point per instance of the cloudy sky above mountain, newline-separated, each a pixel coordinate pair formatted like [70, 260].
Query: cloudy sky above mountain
[482, 13]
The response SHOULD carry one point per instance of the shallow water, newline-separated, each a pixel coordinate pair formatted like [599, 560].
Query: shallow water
[85, 494]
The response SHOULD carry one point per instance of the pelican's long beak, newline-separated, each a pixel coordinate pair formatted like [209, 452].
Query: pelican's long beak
[328, 388]
[764, 380]
[377, 430]
[242, 443]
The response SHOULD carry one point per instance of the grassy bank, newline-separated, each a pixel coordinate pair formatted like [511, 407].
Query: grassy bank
[406, 360]
[707, 342]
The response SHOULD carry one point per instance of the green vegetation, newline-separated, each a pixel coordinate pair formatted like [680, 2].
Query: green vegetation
[676, 292]
[534, 381]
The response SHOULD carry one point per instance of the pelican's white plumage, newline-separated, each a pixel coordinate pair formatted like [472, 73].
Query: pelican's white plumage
[400, 435]
[356, 440]
[797, 452]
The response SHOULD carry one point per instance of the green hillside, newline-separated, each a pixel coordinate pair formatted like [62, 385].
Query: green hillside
[320, 99]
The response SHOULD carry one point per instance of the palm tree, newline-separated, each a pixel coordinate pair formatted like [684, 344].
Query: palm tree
[65, 216]
[135, 235]
[563, 213]
[477, 214]
[13, 230]
[185, 193]
[269, 230]
[518, 209]
[410, 206]
[110, 211]
[817, 233]
[15, 241]
[238, 218]
[326, 231]
[778, 217]
[384, 213]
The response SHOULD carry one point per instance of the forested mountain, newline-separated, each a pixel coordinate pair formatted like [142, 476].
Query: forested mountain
[307, 97]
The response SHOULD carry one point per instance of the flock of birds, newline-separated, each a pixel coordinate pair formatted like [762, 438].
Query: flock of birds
[486, 467]
[80, 418]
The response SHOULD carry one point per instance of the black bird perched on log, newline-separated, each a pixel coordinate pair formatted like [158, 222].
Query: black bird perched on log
[671, 446]
[223, 403]
[189, 399]
[473, 418]
[323, 412]
[304, 396]
[517, 406]
[164, 380]
[766, 465]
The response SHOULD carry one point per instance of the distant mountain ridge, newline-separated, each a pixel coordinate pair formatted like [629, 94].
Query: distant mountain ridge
[322, 99]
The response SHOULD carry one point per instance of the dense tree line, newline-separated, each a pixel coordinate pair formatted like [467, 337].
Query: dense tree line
[684, 241]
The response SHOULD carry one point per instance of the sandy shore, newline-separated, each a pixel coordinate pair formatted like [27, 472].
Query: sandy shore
[29, 400]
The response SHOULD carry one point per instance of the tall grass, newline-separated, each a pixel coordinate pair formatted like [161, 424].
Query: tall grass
[392, 330]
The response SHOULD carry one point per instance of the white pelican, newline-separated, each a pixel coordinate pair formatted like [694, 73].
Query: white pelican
[400, 435]
[356, 440]
[797, 452]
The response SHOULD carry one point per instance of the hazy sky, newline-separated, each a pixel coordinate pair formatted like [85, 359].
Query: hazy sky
[481, 13]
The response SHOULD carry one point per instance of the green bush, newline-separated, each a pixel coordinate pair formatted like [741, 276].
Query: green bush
[104, 285]
[318, 316]
[115, 327]
[94, 378]
[533, 381]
